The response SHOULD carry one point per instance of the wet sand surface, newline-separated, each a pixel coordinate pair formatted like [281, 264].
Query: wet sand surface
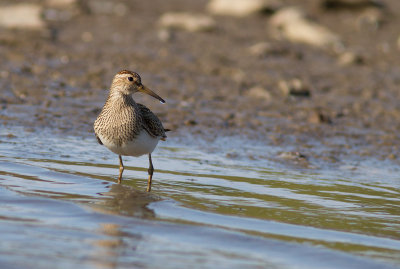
[281, 155]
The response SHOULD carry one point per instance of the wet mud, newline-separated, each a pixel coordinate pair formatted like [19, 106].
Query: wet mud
[327, 104]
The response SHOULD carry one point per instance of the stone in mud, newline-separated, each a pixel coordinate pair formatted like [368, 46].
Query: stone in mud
[240, 8]
[295, 157]
[319, 116]
[238, 75]
[165, 35]
[11, 135]
[187, 21]
[294, 87]
[349, 58]
[232, 155]
[190, 122]
[292, 155]
[259, 93]
[22, 16]
[291, 23]
[229, 116]
[262, 49]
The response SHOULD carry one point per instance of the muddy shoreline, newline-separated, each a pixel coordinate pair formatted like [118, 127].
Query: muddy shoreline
[327, 104]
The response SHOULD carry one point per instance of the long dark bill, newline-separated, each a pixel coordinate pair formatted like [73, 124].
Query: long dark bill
[144, 89]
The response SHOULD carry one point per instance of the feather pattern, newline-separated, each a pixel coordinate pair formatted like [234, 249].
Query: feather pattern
[151, 123]
[122, 119]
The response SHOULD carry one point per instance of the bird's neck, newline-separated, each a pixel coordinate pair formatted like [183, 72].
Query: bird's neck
[117, 97]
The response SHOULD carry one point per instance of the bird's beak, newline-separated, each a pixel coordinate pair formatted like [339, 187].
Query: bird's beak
[144, 89]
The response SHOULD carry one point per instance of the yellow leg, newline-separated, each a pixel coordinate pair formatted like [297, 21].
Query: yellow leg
[121, 169]
[151, 170]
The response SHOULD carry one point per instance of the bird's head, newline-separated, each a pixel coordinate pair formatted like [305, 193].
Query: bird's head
[128, 82]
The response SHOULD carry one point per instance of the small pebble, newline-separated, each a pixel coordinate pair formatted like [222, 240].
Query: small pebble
[260, 49]
[259, 92]
[292, 156]
[165, 35]
[190, 122]
[292, 24]
[10, 135]
[294, 87]
[232, 155]
[318, 116]
[348, 58]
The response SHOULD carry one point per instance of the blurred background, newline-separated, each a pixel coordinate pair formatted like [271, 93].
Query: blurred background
[284, 115]
[265, 69]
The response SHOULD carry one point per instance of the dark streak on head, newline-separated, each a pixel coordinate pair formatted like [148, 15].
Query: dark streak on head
[135, 75]
[126, 72]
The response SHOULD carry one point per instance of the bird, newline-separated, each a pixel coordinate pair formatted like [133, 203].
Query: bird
[128, 128]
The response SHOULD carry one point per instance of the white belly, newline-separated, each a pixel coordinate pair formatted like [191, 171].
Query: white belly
[143, 144]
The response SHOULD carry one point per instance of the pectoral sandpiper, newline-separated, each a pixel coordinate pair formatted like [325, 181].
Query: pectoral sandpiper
[126, 127]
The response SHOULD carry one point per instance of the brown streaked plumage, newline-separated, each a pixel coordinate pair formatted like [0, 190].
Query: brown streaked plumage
[126, 127]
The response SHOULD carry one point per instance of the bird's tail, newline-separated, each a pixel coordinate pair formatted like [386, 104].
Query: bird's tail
[165, 137]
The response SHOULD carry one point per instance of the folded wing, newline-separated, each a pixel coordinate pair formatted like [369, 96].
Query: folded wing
[151, 123]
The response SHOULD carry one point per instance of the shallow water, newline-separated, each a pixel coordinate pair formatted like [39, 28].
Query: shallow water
[61, 207]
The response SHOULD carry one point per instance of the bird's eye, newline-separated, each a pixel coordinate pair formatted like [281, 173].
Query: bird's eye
[130, 78]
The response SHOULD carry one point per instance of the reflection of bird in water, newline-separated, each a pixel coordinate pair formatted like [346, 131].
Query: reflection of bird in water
[124, 200]
[119, 242]
[126, 127]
